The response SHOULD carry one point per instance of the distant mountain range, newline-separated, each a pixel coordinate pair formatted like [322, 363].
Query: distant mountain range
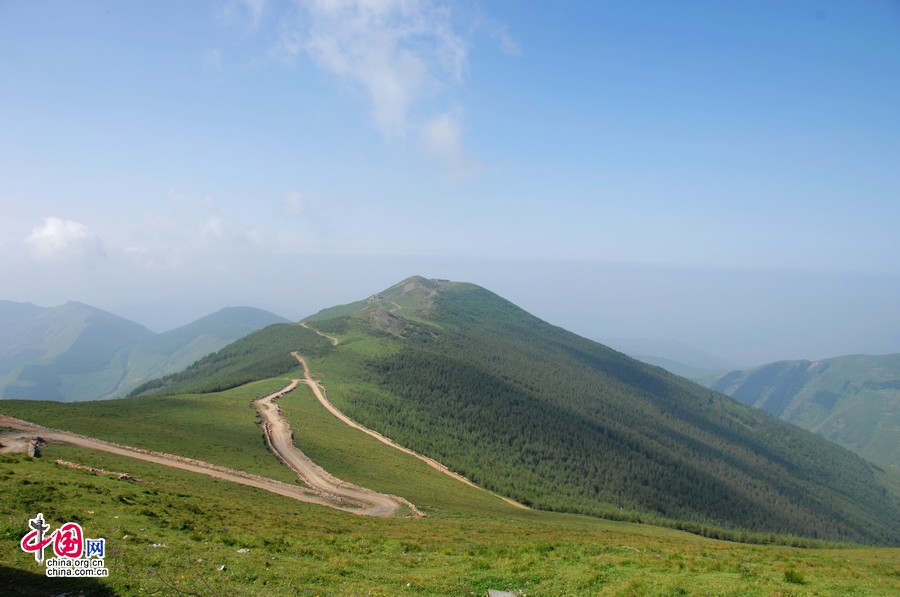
[77, 352]
[852, 400]
[559, 422]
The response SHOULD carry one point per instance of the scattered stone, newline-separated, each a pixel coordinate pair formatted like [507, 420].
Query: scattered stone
[99, 471]
[34, 448]
[243, 550]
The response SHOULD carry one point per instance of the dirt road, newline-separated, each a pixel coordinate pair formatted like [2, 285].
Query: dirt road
[324, 489]
[30, 430]
[279, 438]
[332, 339]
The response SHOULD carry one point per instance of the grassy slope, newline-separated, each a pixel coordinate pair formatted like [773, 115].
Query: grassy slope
[28, 332]
[469, 543]
[852, 400]
[263, 353]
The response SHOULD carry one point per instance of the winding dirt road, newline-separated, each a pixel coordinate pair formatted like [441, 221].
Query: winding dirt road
[279, 438]
[332, 339]
[180, 462]
[324, 489]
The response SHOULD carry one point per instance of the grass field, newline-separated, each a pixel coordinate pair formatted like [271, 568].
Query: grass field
[218, 428]
[172, 533]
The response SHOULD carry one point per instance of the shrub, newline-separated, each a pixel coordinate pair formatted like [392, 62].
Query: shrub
[792, 576]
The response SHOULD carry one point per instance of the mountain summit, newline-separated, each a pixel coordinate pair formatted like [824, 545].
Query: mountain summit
[558, 422]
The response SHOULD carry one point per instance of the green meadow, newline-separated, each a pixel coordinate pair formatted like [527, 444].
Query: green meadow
[218, 427]
[177, 533]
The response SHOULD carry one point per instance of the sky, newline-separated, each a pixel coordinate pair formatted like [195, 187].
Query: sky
[723, 174]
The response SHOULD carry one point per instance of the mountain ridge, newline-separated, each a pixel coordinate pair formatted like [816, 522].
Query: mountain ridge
[559, 422]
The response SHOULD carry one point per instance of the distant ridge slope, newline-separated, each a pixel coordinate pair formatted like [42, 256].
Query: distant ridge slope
[261, 354]
[676, 357]
[176, 349]
[61, 352]
[852, 400]
[559, 422]
[77, 352]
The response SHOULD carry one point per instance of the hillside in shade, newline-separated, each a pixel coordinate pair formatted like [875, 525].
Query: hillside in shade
[851, 400]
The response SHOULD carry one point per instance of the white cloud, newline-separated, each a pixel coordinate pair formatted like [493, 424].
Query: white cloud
[191, 230]
[404, 58]
[497, 31]
[507, 43]
[290, 42]
[397, 53]
[250, 11]
[440, 137]
[64, 240]
[294, 204]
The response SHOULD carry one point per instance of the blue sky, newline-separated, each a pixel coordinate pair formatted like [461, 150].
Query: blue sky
[712, 172]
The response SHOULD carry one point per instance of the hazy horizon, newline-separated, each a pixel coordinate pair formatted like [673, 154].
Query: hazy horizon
[721, 175]
[748, 317]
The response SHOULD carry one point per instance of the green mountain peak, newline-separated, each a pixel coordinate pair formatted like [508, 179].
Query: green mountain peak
[559, 422]
[412, 299]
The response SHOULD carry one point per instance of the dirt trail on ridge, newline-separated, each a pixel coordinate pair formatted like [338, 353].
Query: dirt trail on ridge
[332, 339]
[279, 438]
[324, 489]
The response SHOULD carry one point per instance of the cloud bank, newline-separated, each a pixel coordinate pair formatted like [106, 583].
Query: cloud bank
[64, 240]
